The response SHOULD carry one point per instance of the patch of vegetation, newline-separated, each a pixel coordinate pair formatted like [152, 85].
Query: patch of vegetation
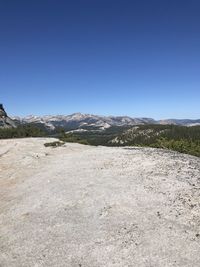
[183, 146]
[54, 144]
[72, 138]
[28, 130]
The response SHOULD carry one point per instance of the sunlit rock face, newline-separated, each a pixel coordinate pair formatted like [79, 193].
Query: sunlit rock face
[5, 121]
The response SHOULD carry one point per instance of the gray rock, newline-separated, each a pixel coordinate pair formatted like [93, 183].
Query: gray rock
[5, 121]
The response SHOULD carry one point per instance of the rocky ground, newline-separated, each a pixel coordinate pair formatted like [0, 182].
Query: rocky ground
[84, 206]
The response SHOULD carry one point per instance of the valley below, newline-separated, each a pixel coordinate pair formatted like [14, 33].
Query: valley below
[93, 206]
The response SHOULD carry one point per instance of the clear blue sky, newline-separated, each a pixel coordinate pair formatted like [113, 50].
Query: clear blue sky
[138, 57]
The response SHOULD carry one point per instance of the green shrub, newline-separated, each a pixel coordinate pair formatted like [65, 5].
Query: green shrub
[54, 144]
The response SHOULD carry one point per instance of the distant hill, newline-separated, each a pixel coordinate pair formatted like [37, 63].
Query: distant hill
[176, 137]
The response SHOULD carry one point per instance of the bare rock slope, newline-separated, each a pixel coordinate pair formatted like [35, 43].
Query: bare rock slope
[5, 121]
[89, 206]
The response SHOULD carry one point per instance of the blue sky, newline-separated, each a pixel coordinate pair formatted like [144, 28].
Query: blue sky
[112, 57]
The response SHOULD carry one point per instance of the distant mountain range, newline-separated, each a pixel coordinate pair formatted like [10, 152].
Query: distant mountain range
[79, 121]
[88, 121]
[83, 121]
